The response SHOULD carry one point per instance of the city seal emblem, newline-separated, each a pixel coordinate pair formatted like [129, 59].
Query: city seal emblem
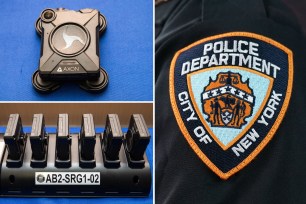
[229, 94]
[224, 99]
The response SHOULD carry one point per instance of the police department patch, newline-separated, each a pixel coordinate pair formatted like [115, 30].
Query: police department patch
[229, 94]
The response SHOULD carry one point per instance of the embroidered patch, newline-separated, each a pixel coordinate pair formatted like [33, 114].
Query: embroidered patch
[229, 94]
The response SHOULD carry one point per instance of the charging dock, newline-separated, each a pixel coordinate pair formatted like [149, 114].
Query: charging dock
[88, 164]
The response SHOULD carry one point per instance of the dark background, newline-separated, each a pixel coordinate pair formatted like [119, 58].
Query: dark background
[298, 8]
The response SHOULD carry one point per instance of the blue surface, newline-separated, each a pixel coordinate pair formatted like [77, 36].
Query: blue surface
[149, 199]
[126, 50]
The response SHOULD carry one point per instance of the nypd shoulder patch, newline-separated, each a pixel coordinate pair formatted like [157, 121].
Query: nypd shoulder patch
[229, 94]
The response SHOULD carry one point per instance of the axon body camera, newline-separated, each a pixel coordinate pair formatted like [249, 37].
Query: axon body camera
[70, 50]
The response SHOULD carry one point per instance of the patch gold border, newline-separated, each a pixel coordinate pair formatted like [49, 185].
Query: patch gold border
[225, 147]
[275, 126]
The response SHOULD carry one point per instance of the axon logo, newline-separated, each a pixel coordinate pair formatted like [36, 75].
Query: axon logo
[68, 69]
[69, 39]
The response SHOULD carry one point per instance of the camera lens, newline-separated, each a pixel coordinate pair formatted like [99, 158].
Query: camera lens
[48, 15]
